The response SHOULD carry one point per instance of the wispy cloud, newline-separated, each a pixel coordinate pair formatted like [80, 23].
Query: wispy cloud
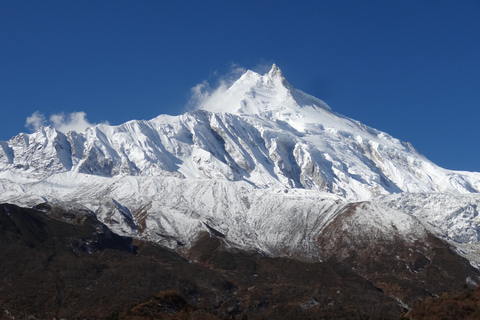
[75, 121]
[35, 121]
[263, 67]
[204, 94]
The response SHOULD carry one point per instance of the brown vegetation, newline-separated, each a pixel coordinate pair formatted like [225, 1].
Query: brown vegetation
[463, 306]
[69, 265]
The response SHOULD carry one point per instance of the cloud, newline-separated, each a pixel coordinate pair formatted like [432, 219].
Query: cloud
[203, 94]
[75, 121]
[263, 67]
[35, 121]
[199, 94]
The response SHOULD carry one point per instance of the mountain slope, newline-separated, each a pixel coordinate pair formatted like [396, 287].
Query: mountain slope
[61, 262]
[261, 130]
[267, 169]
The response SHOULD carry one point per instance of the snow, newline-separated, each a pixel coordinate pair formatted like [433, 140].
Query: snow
[262, 162]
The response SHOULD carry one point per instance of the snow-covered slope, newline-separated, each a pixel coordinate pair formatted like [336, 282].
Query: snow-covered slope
[173, 211]
[263, 164]
[261, 130]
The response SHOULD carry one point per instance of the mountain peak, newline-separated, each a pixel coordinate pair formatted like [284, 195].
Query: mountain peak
[254, 93]
[276, 74]
[269, 95]
[275, 71]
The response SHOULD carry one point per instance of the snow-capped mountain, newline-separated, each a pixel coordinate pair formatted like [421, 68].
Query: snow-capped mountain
[261, 130]
[264, 165]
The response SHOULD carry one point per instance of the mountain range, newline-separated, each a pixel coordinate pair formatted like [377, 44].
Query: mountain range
[266, 169]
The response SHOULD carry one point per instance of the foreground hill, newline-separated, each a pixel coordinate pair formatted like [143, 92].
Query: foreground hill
[68, 265]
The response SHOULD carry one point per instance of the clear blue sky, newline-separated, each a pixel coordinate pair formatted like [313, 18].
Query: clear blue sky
[410, 68]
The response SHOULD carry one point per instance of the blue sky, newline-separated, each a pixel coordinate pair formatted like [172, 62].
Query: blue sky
[409, 68]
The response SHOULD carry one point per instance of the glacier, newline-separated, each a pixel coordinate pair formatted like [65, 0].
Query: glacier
[263, 165]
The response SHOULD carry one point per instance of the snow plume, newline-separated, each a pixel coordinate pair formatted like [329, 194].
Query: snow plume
[204, 94]
[75, 121]
[263, 67]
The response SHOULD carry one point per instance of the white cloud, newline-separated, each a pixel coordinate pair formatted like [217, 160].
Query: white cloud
[203, 94]
[263, 67]
[75, 121]
[35, 121]
[199, 94]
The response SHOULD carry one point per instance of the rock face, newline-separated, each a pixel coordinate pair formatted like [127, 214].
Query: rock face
[263, 183]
